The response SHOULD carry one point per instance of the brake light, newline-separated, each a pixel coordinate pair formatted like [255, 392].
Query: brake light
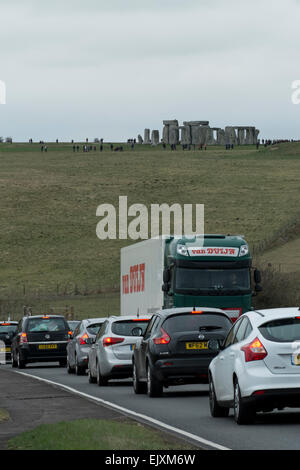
[23, 338]
[83, 338]
[164, 339]
[110, 341]
[254, 351]
[197, 312]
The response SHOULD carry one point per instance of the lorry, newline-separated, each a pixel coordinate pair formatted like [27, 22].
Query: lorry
[207, 271]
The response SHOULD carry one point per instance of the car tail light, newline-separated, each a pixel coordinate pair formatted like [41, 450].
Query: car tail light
[110, 341]
[197, 312]
[83, 338]
[254, 351]
[23, 338]
[164, 339]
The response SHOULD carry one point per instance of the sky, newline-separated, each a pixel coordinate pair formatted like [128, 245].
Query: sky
[77, 69]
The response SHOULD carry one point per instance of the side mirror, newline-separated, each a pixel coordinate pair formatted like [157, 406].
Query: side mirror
[257, 276]
[258, 288]
[90, 340]
[215, 345]
[165, 287]
[137, 331]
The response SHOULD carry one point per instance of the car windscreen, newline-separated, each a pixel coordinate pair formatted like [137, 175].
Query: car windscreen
[36, 325]
[126, 327]
[196, 322]
[7, 328]
[93, 328]
[214, 279]
[284, 330]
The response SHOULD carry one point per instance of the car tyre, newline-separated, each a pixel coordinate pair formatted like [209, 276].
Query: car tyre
[14, 362]
[70, 369]
[154, 386]
[243, 413]
[101, 380]
[216, 410]
[78, 369]
[20, 362]
[138, 386]
[92, 379]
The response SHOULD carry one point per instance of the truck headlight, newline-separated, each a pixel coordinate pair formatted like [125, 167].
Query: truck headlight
[244, 250]
[182, 250]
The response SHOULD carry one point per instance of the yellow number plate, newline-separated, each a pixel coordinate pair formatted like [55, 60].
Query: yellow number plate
[5, 349]
[196, 346]
[47, 346]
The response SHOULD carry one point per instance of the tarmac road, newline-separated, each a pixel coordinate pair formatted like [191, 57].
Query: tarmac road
[186, 408]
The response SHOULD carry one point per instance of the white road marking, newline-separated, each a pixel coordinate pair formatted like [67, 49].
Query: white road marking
[131, 413]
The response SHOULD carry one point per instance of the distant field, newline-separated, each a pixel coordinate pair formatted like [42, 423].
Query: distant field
[49, 248]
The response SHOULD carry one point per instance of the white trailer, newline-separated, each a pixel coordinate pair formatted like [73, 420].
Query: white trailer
[142, 266]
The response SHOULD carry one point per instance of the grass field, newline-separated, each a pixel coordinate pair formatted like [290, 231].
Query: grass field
[49, 250]
[92, 434]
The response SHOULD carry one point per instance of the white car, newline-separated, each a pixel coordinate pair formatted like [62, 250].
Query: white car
[258, 365]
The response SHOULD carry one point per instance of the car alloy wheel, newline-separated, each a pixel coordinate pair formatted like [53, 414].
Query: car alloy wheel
[92, 379]
[154, 386]
[100, 379]
[138, 386]
[216, 410]
[243, 413]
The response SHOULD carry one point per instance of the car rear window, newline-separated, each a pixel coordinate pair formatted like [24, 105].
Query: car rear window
[94, 328]
[193, 322]
[284, 330]
[7, 328]
[46, 324]
[125, 327]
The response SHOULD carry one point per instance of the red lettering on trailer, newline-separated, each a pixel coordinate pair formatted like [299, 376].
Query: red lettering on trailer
[135, 280]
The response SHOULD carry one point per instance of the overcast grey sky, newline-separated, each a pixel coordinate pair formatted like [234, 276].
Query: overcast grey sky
[109, 68]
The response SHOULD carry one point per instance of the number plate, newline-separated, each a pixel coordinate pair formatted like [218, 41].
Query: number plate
[196, 346]
[47, 346]
[132, 347]
[5, 349]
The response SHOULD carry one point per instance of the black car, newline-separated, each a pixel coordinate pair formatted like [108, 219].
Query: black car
[174, 349]
[40, 338]
[7, 331]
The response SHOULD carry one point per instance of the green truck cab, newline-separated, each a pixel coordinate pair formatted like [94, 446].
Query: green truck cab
[211, 271]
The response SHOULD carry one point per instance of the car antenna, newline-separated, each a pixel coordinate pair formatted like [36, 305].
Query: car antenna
[138, 313]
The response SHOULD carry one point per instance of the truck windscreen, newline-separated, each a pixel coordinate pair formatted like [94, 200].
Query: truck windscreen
[212, 280]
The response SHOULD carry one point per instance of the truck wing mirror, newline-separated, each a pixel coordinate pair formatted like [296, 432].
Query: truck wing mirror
[258, 288]
[166, 276]
[257, 276]
[165, 287]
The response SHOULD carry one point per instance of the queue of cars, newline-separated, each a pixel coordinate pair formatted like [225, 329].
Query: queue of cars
[252, 365]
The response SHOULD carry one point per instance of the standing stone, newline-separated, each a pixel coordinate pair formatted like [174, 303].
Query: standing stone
[186, 138]
[140, 139]
[155, 137]
[210, 136]
[230, 135]
[147, 137]
[221, 138]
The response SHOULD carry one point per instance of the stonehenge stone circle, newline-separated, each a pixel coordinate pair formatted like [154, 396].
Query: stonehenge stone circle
[200, 133]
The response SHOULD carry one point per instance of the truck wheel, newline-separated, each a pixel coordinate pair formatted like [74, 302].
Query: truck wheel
[101, 381]
[216, 410]
[138, 386]
[243, 413]
[154, 386]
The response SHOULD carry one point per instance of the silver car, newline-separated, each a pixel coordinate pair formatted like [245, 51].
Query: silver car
[110, 357]
[80, 344]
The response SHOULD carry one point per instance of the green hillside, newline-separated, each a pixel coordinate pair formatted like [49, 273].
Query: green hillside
[49, 248]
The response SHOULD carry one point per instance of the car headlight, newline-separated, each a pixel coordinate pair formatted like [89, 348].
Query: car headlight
[182, 250]
[244, 250]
